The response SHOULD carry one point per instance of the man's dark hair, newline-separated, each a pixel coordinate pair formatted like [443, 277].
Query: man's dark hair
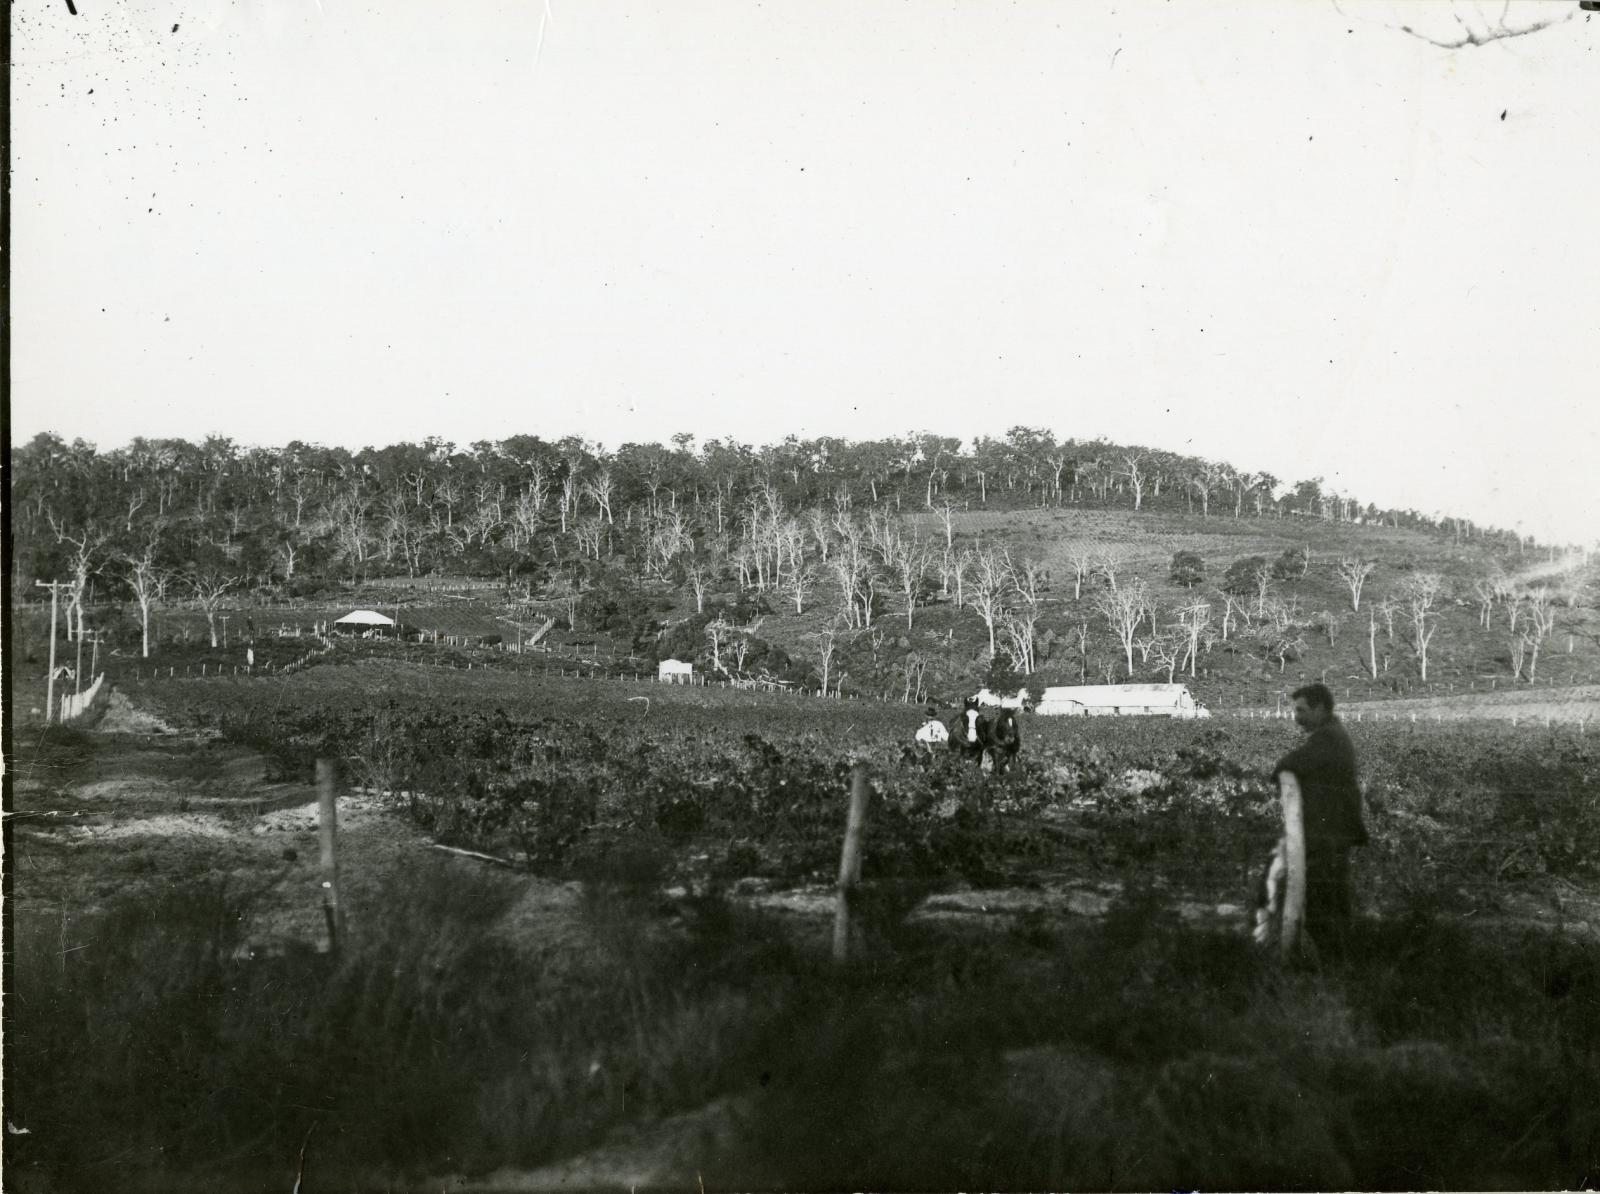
[1318, 696]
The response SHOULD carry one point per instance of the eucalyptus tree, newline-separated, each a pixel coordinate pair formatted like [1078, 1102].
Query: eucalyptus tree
[1124, 608]
[1354, 572]
[209, 586]
[1421, 592]
[990, 582]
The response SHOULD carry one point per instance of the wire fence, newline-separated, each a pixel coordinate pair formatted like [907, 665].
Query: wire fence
[555, 666]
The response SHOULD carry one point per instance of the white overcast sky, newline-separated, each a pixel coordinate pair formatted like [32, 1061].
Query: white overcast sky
[1281, 233]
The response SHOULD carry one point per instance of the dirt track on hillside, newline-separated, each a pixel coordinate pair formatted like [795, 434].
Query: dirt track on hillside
[1526, 706]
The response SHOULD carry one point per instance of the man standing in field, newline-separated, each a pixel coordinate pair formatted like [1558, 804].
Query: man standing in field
[1330, 805]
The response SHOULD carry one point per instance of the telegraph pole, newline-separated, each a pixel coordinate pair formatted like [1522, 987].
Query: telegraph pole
[94, 663]
[55, 586]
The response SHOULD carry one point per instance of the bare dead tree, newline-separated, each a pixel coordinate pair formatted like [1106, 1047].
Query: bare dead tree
[1125, 609]
[1354, 573]
[1484, 589]
[818, 524]
[85, 546]
[947, 513]
[1283, 644]
[1232, 604]
[1242, 482]
[1081, 633]
[1514, 603]
[1108, 562]
[209, 588]
[1144, 644]
[791, 545]
[1030, 577]
[847, 571]
[915, 666]
[799, 583]
[1541, 621]
[1131, 469]
[1169, 650]
[961, 568]
[699, 576]
[1204, 483]
[1388, 609]
[147, 583]
[571, 487]
[827, 648]
[1193, 621]
[991, 581]
[909, 560]
[1082, 558]
[1421, 591]
[1263, 578]
[718, 632]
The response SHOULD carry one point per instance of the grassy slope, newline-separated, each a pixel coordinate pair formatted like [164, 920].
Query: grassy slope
[1461, 656]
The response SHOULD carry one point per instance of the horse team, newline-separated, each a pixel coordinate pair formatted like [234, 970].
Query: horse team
[982, 735]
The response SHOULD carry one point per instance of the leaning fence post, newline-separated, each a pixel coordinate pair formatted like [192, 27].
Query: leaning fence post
[850, 860]
[1294, 860]
[328, 828]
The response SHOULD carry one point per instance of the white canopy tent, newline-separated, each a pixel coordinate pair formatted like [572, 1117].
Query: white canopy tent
[364, 617]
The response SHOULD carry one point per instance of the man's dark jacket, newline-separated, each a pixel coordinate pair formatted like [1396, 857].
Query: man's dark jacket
[1325, 765]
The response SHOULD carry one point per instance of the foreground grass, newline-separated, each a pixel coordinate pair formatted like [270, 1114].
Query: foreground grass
[1132, 1054]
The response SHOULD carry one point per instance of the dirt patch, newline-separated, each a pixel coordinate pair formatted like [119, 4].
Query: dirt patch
[165, 825]
[123, 717]
[1529, 706]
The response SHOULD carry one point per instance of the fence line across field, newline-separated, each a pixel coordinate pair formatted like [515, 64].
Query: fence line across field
[1359, 716]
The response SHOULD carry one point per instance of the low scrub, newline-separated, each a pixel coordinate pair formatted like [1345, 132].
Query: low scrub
[151, 1050]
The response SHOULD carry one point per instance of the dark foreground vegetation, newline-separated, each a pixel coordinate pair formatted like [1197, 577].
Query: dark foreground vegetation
[1450, 1047]
[1136, 1053]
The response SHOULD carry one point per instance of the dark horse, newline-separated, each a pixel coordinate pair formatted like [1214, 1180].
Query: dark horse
[1000, 737]
[974, 734]
[966, 734]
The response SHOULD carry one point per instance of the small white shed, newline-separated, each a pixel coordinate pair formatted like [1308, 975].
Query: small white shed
[675, 671]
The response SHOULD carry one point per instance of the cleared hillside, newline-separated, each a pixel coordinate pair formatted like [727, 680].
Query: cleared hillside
[1333, 641]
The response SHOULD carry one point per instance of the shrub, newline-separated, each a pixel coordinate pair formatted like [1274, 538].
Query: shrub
[1188, 569]
[433, 1040]
[1240, 579]
[1292, 564]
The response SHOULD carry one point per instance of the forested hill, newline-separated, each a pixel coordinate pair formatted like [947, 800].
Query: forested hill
[273, 514]
[891, 567]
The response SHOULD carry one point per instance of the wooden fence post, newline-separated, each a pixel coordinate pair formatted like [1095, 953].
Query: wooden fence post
[1294, 860]
[850, 860]
[328, 829]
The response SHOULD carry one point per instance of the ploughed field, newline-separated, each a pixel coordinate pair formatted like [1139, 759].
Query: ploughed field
[1052, 982]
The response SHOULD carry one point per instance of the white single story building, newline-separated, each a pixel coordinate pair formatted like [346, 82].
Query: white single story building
[991, 700]
[1120, 700]
[675, 671]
